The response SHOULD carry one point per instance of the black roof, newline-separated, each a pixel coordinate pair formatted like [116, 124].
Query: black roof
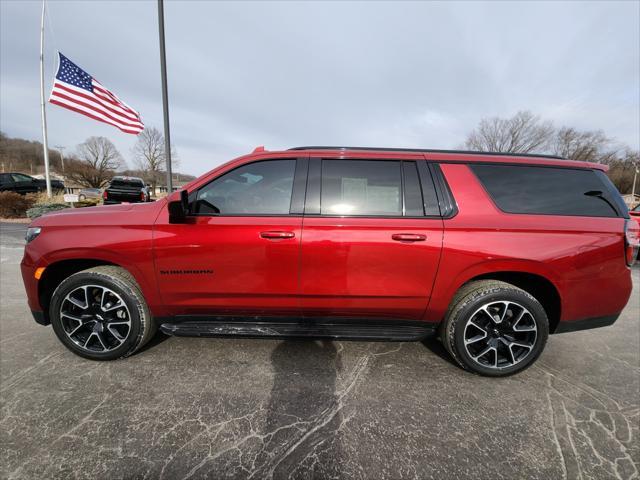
[429, 150]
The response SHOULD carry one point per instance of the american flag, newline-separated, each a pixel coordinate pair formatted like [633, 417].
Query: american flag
[76, 90]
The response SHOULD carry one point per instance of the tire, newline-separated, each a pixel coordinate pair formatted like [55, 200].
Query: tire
[101, 314]
[514, 324]
[81, 198]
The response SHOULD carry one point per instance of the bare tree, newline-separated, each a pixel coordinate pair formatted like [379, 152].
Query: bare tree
[149, 155]
[522, 133]
[96, 161]
[622, 169]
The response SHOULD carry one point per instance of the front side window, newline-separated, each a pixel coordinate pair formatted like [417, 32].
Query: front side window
[361, 187]
[260, 188]
[547, 190]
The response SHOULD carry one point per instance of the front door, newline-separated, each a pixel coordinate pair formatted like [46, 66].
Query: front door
[372, 239]
[238, 253]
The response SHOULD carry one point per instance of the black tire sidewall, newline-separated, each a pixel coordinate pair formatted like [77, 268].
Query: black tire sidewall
[504, 294]
[113, 283]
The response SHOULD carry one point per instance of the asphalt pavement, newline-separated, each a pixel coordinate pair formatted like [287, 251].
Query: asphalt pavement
[195, 408]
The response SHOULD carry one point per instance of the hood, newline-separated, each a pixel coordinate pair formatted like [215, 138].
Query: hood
[123, 214]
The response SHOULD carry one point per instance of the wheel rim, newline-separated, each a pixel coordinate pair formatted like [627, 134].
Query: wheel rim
[500, 334]
[95, 318]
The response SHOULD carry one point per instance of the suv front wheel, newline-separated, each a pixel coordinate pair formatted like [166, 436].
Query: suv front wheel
[100, 314]
[494, 328]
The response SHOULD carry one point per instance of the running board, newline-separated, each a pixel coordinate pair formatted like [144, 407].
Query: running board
[395, 330]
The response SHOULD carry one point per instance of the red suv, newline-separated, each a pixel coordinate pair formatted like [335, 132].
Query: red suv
[491, 251]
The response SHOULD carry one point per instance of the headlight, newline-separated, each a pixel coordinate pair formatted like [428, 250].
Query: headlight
[32, 233]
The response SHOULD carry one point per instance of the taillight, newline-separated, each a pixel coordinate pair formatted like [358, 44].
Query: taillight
[143, 197]
[105, 194]
[631, 241]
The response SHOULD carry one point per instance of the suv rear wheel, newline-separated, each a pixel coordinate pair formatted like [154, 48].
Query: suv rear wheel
[494, 328]
[100, 314]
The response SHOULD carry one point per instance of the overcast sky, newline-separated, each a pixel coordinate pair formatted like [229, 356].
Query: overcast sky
[282, 74]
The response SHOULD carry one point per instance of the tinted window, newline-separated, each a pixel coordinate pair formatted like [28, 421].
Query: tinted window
[361, 187]
[545, 190]
[261, 188]
[413, 206]
[5, 178]
[133, 182]
[18, 177]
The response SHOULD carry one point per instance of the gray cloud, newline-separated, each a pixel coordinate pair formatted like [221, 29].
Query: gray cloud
[282, 74]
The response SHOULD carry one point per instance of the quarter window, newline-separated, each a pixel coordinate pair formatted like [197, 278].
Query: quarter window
[260, 188]
[547, 190]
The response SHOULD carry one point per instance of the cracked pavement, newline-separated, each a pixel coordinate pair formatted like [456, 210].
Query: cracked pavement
[194, 408]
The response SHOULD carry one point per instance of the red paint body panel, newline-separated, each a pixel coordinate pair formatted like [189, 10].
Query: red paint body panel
[342, 266]
[581, 256]
[250, 275]
[352, 266]
[118, 234]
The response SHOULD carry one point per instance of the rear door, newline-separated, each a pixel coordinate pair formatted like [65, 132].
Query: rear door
[372, 239]
[238, 253]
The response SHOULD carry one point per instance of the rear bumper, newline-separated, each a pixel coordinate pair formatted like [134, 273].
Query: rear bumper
[586, 324]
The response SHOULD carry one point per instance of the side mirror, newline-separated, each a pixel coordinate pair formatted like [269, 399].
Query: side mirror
[178, 209]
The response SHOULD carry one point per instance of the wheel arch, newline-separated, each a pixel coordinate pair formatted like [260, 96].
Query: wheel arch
[56, 272]
[537, 285]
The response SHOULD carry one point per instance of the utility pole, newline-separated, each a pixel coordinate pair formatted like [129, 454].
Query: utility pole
[165, 96]
[61, 149]
[633, 189]
[45, 144]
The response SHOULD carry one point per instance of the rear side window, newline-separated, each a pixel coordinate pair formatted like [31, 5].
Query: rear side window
[413, 205]
[547, 190]
[361, 187]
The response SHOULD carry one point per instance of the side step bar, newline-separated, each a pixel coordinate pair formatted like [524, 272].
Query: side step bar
[395, 330]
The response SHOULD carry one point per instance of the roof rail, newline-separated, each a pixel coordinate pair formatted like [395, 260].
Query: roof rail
[429, 150]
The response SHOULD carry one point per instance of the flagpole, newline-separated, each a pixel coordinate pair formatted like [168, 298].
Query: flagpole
[45, 144]
[165, 96]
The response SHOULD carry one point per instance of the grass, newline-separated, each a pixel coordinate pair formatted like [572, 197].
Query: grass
[42, 199]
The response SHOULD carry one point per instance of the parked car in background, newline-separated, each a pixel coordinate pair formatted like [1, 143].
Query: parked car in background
[89, 193]
[126, 190]
[635, 214]
[23, 184]
[492, 252]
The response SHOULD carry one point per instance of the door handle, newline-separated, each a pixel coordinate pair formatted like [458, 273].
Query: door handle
[408, 237]
[273, 234]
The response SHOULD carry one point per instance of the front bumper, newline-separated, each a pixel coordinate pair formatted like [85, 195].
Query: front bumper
[30, 283]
